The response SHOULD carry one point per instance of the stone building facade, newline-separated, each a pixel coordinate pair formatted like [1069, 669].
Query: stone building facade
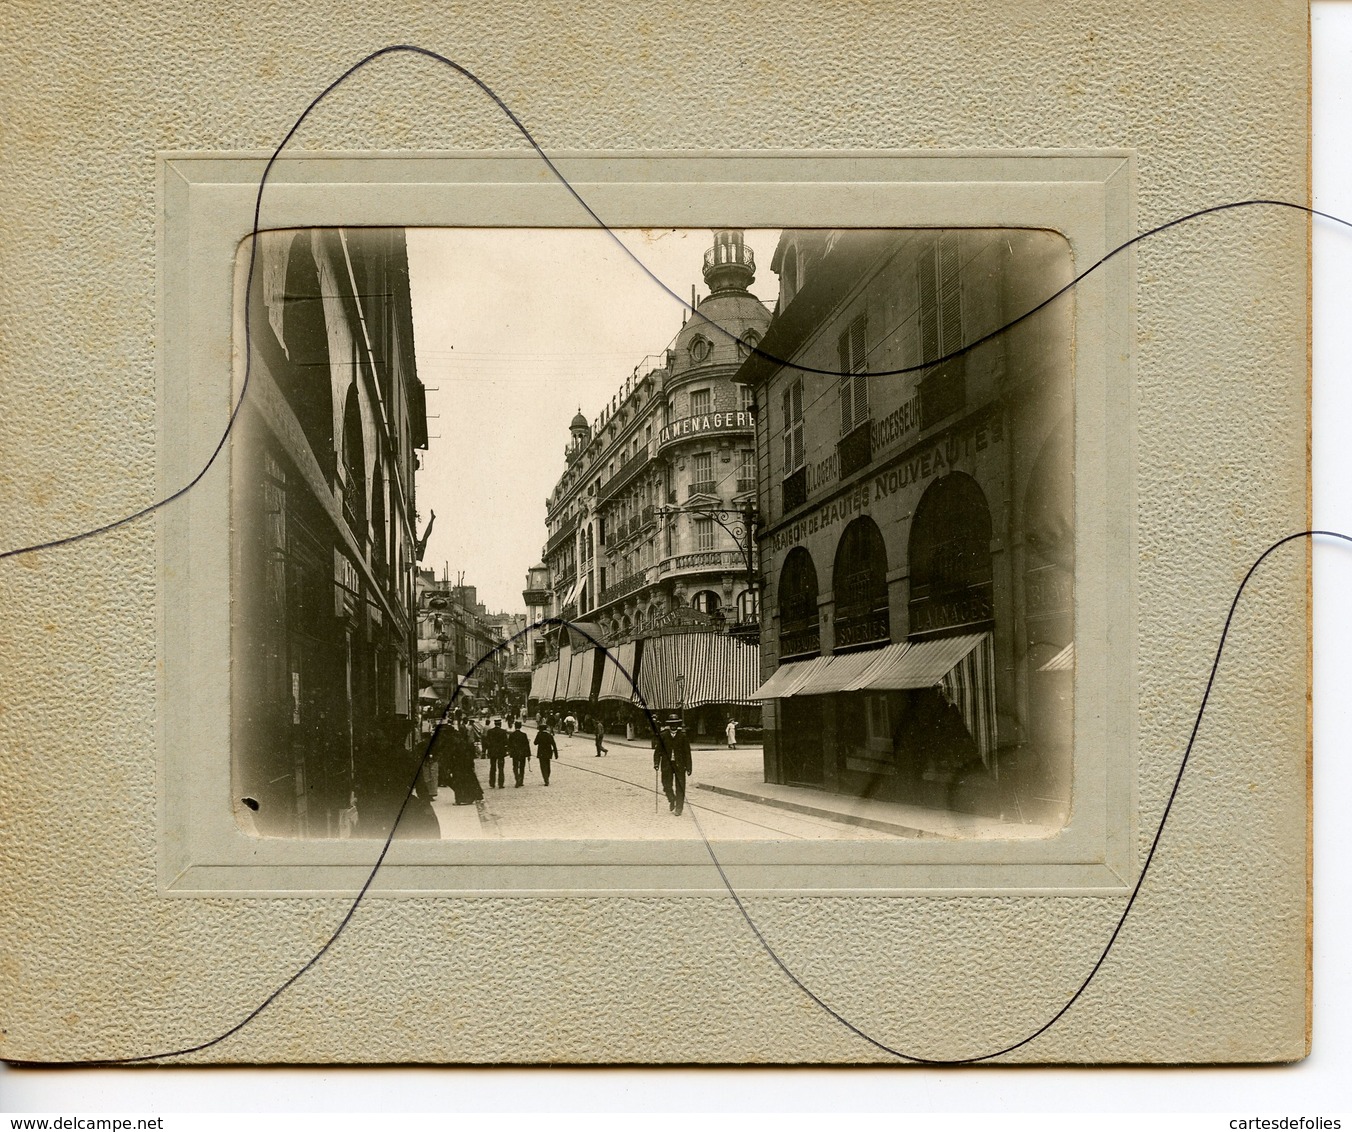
[918, 520]
[324, 548]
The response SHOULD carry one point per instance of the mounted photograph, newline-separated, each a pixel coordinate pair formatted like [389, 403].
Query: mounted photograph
[654, 534]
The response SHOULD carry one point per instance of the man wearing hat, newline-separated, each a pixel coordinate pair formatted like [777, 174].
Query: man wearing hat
[495, 747]
[518, 746]
[672, 757]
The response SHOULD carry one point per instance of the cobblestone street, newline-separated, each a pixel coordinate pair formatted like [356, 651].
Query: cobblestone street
[612, 798]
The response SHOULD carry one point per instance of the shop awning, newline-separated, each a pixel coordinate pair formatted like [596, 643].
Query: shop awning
[787, 679]
[718, 669]
[542, 681]
[583, 634]
[1064, 661]
[838, 674]
[914, 664]
[580, 674]
[618, 672]
[694, 669]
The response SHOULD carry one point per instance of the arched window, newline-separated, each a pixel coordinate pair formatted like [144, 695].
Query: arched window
[799, 623]
[860, 584]
[950, 556]
[306, 378]
[706, 601]
[354, 468]
[746, 607]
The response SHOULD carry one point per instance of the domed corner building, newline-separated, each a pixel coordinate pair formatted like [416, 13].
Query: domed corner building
[650, 544]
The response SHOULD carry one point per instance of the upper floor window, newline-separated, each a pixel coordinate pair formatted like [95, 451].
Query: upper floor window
[700, 348]
[746, 470]
[699, 402]
[704, 534]
[795, 454]
[854, 379]
[748, 397]
[940, 299]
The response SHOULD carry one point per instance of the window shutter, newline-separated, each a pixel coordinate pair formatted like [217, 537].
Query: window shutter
[929, 314]
[950, 296]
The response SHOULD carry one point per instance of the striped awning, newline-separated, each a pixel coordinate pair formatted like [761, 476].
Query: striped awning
[580, 674]
[1064, 661]
[542, 681]
[693, 669]
[565, 664]
[914, 664]
[838, 674]
[618, 672]
[787, 679]
[719, 669]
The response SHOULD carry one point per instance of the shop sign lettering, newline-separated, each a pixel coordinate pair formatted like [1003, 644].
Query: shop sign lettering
[709, 422]
[926, 463]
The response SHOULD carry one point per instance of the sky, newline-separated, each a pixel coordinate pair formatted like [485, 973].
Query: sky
[514, 330]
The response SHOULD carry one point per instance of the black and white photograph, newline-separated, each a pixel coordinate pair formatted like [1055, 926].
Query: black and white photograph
[579, 534]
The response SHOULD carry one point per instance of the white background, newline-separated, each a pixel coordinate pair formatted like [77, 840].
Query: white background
[1317, 1086]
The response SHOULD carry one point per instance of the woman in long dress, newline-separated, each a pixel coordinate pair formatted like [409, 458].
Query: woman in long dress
[464, 781]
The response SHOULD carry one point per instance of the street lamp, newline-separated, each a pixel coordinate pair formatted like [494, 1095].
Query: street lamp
[743, 527]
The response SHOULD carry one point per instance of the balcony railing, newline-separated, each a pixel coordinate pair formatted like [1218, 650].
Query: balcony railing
[703, 487]
[703, 560]
[855, 449]
[729, 253]
[561, 536]
[627, 473]
[624, 588]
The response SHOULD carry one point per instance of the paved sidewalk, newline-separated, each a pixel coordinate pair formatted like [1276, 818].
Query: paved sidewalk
[458, 823]
[740, 774]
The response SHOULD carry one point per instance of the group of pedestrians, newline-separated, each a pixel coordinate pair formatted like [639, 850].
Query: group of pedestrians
[451, 761]
[453, 751]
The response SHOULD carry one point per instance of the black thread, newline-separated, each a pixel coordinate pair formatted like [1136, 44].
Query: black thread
[648, 713]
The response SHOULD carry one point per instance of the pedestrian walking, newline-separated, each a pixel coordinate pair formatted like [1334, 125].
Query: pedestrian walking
[672, 758]
[518, 746]
[495, 747]
[601, 748]
[456, 748]
[545, 750]
[731, 732]
[569, 724]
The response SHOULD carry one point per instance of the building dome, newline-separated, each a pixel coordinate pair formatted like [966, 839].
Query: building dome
[579, 422]
[735, 314]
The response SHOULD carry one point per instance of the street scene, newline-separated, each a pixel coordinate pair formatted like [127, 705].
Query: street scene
[702, 547]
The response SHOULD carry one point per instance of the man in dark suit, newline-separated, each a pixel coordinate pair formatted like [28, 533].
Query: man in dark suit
[672, 757]
[495, 747]
[518, 746]
[545, 749]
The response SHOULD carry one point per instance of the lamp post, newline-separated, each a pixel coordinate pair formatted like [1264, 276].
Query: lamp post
[743, 527]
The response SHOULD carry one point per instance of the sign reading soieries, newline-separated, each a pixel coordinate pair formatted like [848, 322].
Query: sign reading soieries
[926, 461]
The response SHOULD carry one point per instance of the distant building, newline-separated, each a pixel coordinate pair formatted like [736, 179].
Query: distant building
[918, 528]
[324, 546]
[465, 653]
[648, 534]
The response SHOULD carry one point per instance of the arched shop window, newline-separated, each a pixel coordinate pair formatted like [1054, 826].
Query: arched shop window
[950, 556]
[860, 586]
[799, 624]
